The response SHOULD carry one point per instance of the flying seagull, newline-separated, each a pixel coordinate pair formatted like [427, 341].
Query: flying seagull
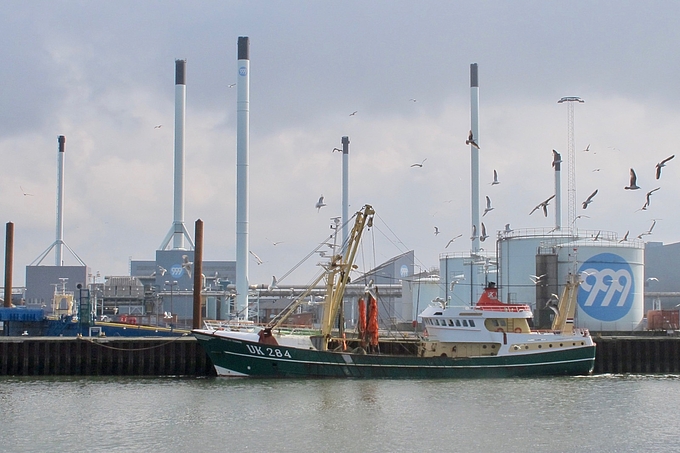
[257, 258]
[484, 235]
[471, 140]
[162, 270]
[648, 232]
[26, 194]
[353, 113]
[158, 127]
[536, 279]
[436, 231]
[587, 148]
[474, 232]
[633, 181]
[413, 100]
[495, 178]
[336, 149]
[274, 242]
[320, 204]
[419, 164]
[231, 85]
[273, 284]
[507, 228]
[557, 158]
[488, 206]
[597, 236]
[580, 216]
[625, 237]
[186, 265]
[662, 164]
[544, 205]
[451, 241]
[589, 199]
[648, 199]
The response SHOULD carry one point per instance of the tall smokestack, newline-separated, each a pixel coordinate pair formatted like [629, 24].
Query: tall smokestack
[178, 232]
[557, 163]
[345, 189]
[474, 173]
[242, 145]
[59, 242]
[180, 122]
[9, 263]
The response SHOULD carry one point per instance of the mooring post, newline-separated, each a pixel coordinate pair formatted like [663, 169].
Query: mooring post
[9, 259]
[198, 274]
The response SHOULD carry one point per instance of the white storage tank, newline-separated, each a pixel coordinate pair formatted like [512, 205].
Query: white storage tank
[517, 250]
[463, 276]
[611, 294]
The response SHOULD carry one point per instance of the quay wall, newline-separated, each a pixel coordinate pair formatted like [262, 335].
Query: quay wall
[183, 356]
[71, 356]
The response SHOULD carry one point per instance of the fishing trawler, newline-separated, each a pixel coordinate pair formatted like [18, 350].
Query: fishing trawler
[490, 339]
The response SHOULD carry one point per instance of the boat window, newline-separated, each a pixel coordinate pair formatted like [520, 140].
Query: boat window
[494, 323]
[458, 322]
[450, 322]
[465, 324]
[472, 323]
[502, 322]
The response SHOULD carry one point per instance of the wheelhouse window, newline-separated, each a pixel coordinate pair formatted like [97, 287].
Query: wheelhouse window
[472, 323]
[465, 323]
[458, 322]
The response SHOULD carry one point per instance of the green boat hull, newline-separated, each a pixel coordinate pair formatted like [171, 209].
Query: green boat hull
[235, 357]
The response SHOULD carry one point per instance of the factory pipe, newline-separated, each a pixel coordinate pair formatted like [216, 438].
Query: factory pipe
[9, 260]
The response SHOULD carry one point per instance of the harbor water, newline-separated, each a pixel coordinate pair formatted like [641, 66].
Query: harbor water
[603, 413]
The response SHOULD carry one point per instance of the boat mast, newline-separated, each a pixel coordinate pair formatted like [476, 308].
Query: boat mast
[338, 273]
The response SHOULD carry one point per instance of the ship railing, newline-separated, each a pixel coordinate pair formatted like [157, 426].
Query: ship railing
[231, 325]
[504, 308]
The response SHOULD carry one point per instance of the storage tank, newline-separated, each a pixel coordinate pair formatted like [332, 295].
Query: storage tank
[611, 293]
[456, 269]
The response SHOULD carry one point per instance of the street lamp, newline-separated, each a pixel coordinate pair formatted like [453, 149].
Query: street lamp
[171, 284]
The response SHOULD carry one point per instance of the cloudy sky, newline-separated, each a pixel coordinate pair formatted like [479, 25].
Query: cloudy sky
[102, 74]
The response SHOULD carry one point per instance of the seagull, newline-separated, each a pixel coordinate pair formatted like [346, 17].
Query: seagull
[557, 158]
[474, 232]
[597, 236]
[186, 265]
[648, 232]
[370, 289]
[633, 181]
[257, 258]
[413, 100]
[647, 200]
[274, 242]
[625, 237]
[471, 140]
[26, 194]
[587, 148]
[273, 284]
[652, 279]
[488, 206]
[436, 231]
[353, 113]
[536, 279]
[162, 270]
[507, 228]
[495, 178]
[589, 199]
[662, 164]
[553, 308]
[419, 164]
[484, 235]
[158, 127]
[597, 169]
[451, 241]
[231, 85]
[544, 205]
[336, 149]
[320, 204]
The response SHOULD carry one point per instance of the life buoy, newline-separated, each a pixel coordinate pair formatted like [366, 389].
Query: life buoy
[518, 330]
[425, 334]
[500, 329]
